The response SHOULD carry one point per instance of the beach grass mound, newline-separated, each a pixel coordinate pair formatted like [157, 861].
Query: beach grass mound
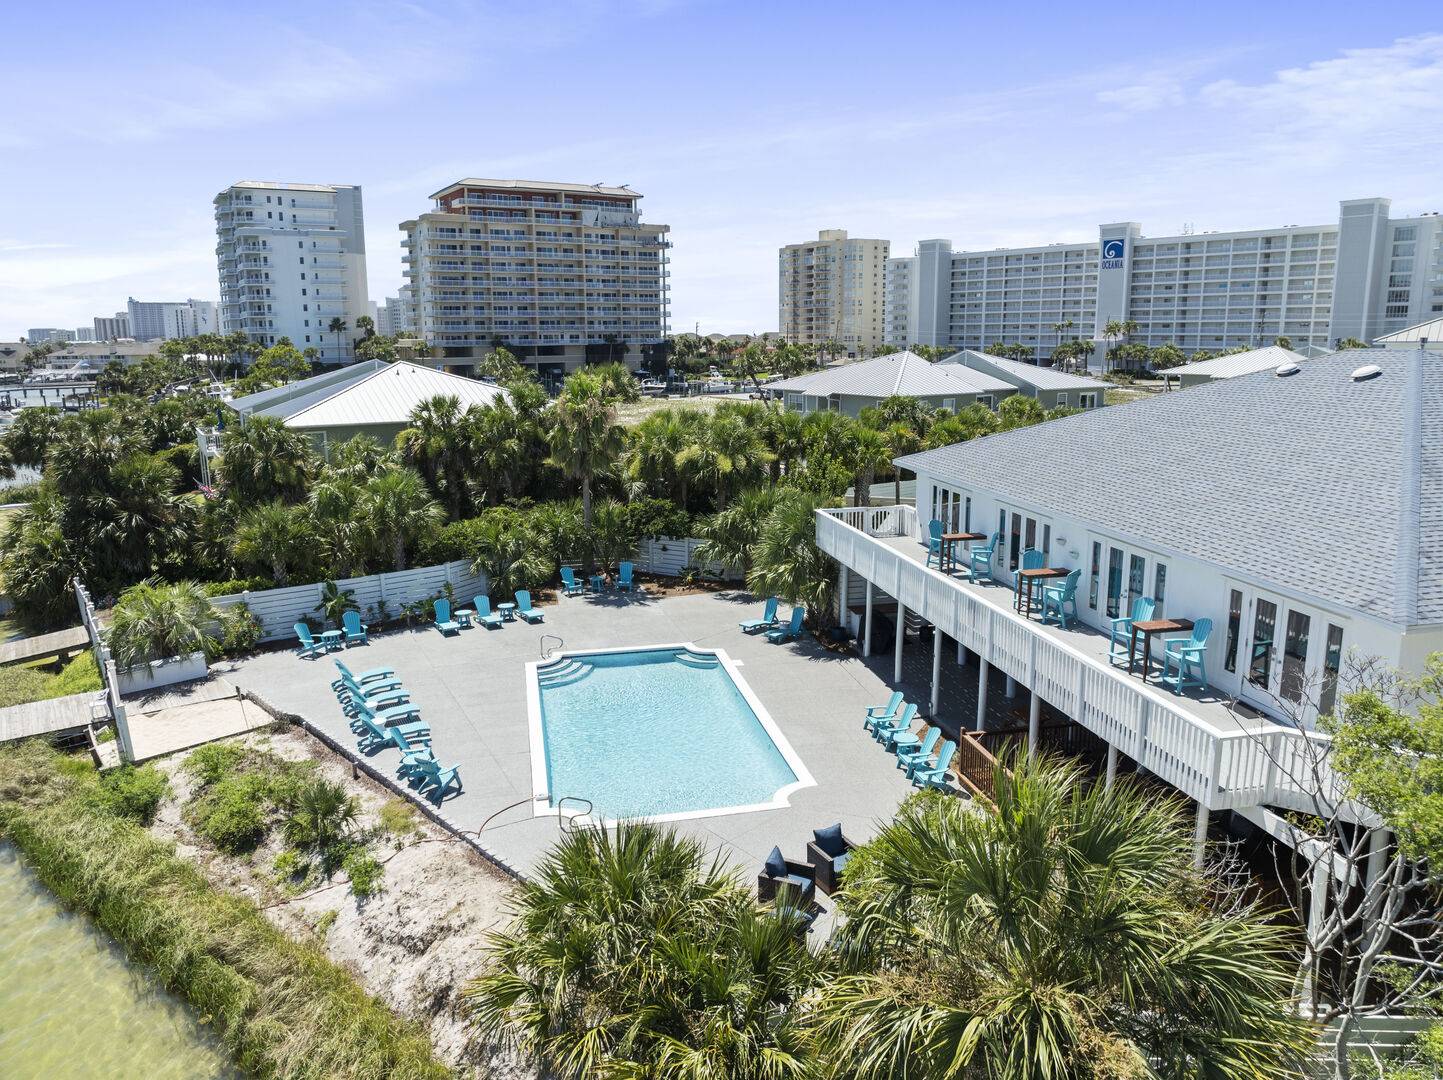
[279, 1005]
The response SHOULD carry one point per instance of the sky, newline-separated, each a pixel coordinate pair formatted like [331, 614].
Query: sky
[745, 125]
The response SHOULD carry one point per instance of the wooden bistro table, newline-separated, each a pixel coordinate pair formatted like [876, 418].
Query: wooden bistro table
[1147, 628]
[948, 560]
[1027, 577]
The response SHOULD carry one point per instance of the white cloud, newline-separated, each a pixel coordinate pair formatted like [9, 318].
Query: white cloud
[1157, 93]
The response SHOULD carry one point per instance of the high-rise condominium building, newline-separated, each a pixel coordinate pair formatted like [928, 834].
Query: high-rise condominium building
[1366, 274]
[393, 317]
[560, 274]
[831, 289]
[161, 320]
[84, 333]
[292, 258]
[113, 328]
[40, 335]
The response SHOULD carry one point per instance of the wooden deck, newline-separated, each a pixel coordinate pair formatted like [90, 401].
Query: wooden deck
[48, 717]
[43, 645]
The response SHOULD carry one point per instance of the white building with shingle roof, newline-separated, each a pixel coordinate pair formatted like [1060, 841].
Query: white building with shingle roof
[1230, 366]
[1052, 388]
[850, 388]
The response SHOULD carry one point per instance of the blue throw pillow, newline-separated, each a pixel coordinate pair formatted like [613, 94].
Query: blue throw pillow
[830, 839]
[776, 866]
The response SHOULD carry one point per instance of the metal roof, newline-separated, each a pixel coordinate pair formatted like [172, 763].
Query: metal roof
[389, 396]
[1431, 330]
[1235, 364]
[290, 398]
[903, 373]
[539, 185]
[1043, 378]
[1314, 482]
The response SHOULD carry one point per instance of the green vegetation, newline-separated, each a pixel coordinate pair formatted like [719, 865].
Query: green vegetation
[280, 1007]
[132, 792]
[20, 683]
[152, 621]
[398, 821]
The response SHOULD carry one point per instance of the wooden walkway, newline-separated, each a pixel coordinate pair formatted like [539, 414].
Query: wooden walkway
[48, 717]
[36, 648]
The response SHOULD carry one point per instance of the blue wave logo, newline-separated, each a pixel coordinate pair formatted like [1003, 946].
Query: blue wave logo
[1112, 249]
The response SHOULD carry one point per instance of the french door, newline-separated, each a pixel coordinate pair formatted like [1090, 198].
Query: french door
[1286, 656]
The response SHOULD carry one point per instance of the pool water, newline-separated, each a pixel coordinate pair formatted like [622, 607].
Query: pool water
[655, 733]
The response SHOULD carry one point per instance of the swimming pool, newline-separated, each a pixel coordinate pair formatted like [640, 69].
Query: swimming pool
[663, 732]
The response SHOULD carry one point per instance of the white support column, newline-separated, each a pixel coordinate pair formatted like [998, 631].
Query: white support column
[1317, 914]
[1010, 691]
[961, 653]
[1377, 855]
[843, 584]
[867, 640]
[1111, 764]
[936, 671]
[897, 662]
[1200, 835]
[1034, 723]
[983, 668]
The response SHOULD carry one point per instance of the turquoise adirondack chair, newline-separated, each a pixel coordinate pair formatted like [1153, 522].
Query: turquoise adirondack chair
[893, 732]
[363, 677]
[979, 565]
[909, 759]
[1055, 599]
[309, 646]
[375, 734]
[524, 608]
[355, 629]
[934, 542]
[935, 775]
[444, 622]
[569, 585]
[791, 630]
[900, 722]
[623, 578]
[1120, 640]
[484, 615]
[877, 713]
[768, 619]
[1031, 560]
[1188, 656]
[386, 717]
[429, 774]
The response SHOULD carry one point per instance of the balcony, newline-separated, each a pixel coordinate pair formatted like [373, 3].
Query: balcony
[1198, 742]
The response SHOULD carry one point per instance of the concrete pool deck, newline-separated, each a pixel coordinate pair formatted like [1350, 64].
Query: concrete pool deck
[471, 688]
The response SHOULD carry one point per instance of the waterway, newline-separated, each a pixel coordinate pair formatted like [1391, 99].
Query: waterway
[72, 1007]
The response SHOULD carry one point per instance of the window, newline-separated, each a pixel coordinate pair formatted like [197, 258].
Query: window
[1062, 401]
[1087, 400]
[1235, 623]
[1094, 575]
[1159, 586]
[1114, 581]
[1332, 664]
[1293, 679]
[1136, 578]
[987, 400]
[1015, 544]
[1265, 628]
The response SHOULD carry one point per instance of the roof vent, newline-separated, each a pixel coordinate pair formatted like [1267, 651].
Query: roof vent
[1366, 372]
[1284, 370]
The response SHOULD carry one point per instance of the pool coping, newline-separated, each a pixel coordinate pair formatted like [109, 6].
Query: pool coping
[541, 793]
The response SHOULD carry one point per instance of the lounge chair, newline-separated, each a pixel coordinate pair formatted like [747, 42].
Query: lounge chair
[780, 873]
[792, 630]
[354, 628]
[979, 559]
[444, 622]
[484, 615]
[363, 677]
[623, 578]
[909, 759]
[1055, 599]
[935, 775]
[388, 717]
[1119, 642]
[1187, 655]
[378, 695]
[524, 608]
[768, 619]
[892, 732]
[428, 771]
[309, 646]
[882, 712]
[827, 851]
[900, 722]
[374, 734]
[569, 585]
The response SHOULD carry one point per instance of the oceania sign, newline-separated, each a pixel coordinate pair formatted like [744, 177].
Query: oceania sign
[1112, 254]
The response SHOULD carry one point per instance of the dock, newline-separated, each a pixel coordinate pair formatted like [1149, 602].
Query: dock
[50, 717]
[43, 645]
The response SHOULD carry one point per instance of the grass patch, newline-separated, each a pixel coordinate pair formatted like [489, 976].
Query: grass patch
[132, 792]
[239, 794]
[22, 684]
[398, 821]
[280, 1006]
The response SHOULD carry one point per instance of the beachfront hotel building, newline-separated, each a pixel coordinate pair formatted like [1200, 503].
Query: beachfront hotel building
[560, 274]
[292, 257]
[1362, 276]
[161, 320]
[830, 289]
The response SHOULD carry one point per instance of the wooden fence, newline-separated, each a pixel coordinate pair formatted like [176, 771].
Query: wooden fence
[377, 595]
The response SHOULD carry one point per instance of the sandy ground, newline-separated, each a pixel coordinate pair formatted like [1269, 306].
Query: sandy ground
[414, 944]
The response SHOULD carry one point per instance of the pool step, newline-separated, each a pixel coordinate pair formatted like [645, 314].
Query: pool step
[564, 674]
[692, 660]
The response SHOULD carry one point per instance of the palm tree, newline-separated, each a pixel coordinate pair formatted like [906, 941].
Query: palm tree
[786, 561]
[271, 535]
[400, 511]
[729, 536]
[334, 517]
[585, 437]
[1065, 933]
[338, 327]
[152, 621]
[321, 815]
[633, 953]
[786, 439]
[440, 443]
[902, 439]
[503, 447]
[871, 451]
[654, 446]
[508, 553]
[263, 459]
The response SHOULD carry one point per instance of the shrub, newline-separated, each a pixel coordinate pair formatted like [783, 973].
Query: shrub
[364, 871]
[132, 792]
[398, 820]
[321, 815]
[152, 621]
[234, 586]
[213, 762]
[231, 814]
[240, 630]
[325, 922]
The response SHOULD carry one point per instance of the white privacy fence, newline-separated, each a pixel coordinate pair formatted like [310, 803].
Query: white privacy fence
[376, 595]
[1219, 768]
[670, 556]
[108, 674]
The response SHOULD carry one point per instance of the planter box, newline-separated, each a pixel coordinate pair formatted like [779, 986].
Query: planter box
[158, 673]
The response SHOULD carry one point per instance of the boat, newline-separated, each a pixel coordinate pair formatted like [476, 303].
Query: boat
[653, 387]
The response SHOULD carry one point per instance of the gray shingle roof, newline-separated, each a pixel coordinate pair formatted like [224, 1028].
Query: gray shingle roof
[1235, 364]
[896, 373]
[1043, 378]
[1319, 484]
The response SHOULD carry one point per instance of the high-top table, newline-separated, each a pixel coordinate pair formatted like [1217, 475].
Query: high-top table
[1147, 628]
[947, 556]
[1025, 578]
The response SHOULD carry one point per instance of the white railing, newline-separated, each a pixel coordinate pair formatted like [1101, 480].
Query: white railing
[108, 673]
[1219, 767]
